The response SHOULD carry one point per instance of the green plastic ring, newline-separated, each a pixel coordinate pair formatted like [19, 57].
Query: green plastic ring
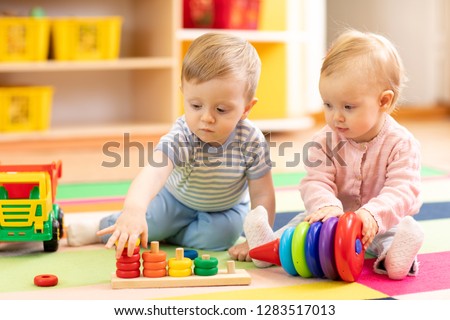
[206, 272]
[206, 263]
[298, 250]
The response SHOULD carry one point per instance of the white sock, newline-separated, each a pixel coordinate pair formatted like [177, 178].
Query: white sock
[82, 232]
[258, 231]
[405, 246]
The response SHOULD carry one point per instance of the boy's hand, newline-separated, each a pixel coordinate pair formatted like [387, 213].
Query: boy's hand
[240, 252]
[369, 227]
[324, 214]
[125, 232]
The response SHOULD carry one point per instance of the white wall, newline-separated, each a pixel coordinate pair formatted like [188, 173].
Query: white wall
[419, 29]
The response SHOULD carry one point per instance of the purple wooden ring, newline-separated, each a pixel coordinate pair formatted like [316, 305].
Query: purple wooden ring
[326, 248]
[312, 249]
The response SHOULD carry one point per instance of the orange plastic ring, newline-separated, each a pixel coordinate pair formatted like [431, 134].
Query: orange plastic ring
[127, 259]
[128, 273]
[128, 266]
[46, 280]
[155, 265]
[149, 256]
[154, 273]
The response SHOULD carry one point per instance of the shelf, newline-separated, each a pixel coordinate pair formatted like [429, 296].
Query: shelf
[119, 64]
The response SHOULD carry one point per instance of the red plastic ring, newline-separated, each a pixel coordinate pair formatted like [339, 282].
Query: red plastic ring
[127, 259]
[348, 252]
[46, 280]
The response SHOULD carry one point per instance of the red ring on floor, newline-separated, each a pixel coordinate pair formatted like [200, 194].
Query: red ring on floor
[46, 280]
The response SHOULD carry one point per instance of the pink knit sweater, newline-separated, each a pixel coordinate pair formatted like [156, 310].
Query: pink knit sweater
[381, 176]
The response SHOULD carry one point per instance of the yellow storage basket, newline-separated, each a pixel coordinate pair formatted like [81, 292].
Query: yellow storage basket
[25, 108]
[89, 38]
[24, 39]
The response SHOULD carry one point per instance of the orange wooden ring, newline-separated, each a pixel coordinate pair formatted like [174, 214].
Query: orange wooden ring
[128, 273]
[127, 259]
[46, 280]
[128, 266]
[149, 256]
[155, 265]
[154, 273]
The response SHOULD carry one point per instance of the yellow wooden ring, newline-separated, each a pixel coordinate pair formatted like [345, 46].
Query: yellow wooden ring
[180, 264]
[138, 242]
[180, 273]
[154, 265]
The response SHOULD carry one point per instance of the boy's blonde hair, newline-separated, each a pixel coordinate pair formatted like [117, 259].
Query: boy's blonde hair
[369, 52]
[219, 55]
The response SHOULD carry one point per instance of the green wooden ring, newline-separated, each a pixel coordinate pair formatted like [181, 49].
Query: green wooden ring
[298, 250]
[205, 263]
[206, 272]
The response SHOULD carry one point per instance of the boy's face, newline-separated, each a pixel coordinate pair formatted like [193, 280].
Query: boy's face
[213, 108]
[353, 106]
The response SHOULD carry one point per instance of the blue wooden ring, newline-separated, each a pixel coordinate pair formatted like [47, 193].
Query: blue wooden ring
[285, 251]
[326, 248]
[312, 249]
[298, 250]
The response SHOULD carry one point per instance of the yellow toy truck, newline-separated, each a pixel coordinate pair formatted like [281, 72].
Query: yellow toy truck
[28, 211]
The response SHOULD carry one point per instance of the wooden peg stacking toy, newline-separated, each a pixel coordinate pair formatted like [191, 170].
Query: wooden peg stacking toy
[206, 265]
[180, 266]
[129, 267]
[332, 249]
[154, 262]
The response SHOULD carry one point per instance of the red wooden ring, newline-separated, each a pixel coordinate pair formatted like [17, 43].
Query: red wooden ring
[127, 259]
[348, 253]
[154, 273]
[155, 265]
[125, 251]
[128, 266]
[149, 256]
[46, 280]
[128, 273]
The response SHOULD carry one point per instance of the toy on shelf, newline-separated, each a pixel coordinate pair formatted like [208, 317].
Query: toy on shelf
[179, 272]
[330, 249]
[28, 211]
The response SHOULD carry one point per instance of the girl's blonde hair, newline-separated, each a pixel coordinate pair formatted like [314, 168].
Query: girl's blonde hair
[367, 52]
[219, 55]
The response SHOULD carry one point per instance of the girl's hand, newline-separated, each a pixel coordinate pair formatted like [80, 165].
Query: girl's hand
[240, 252]
[369, 227]
[323, 214]
[126, 232]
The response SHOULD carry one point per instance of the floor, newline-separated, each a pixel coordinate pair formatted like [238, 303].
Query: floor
[93, 163]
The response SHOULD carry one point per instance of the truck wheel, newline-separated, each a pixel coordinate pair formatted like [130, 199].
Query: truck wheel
[52, 244]
[61, 222]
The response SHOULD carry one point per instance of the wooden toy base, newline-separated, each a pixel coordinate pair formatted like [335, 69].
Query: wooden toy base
[222, 278]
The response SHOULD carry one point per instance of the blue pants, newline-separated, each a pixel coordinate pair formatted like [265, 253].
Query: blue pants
[170, 220]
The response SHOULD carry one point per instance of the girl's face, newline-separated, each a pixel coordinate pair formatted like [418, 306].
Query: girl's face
[353, 105]
[213, 108]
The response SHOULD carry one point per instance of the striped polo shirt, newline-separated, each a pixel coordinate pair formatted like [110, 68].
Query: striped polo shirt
[212, 179]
